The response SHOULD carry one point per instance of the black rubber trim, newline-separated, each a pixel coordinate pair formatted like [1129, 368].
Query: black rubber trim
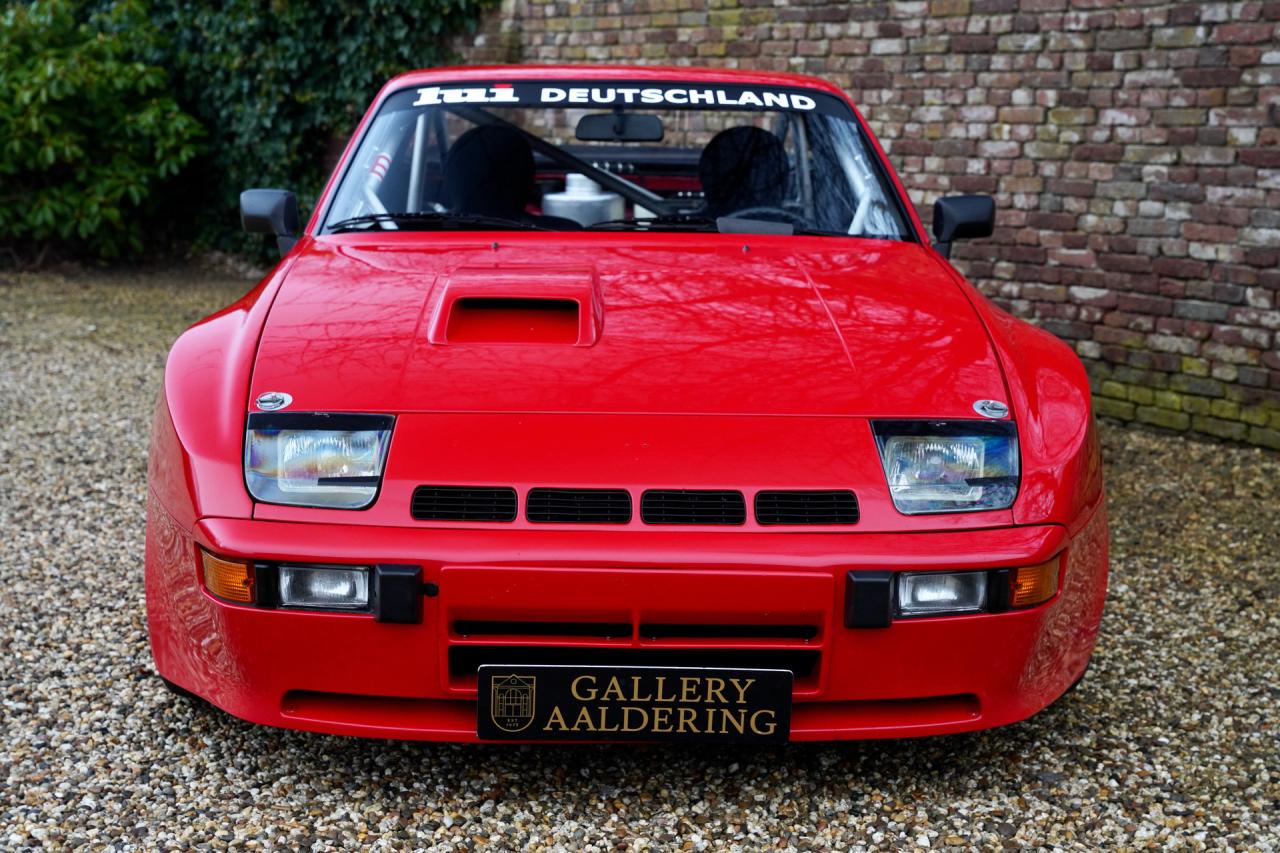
[340, 422]
[997, 591]
[397, 594]
[868, 599]
[957, 427]
[266, 585]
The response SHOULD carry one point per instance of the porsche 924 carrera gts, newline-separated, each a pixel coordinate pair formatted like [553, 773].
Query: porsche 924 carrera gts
[604, 404]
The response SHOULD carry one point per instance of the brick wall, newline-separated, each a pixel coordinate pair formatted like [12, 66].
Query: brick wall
[1133, 148]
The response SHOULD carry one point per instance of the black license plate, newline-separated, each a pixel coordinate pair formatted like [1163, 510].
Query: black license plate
[633, 703]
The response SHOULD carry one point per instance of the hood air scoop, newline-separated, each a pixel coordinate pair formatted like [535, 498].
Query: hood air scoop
[518, 306]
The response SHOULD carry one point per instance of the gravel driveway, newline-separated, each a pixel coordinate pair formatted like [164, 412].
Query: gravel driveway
[1171, 741]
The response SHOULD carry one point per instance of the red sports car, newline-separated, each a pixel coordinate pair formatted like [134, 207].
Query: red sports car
[621, 404]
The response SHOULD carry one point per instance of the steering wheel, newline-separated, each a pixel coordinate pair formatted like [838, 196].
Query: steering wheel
[787, 215]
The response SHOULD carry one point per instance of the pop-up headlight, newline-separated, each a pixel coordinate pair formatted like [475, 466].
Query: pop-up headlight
[949, 466]
[317, 460]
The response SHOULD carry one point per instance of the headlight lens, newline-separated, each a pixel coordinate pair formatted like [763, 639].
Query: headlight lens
[333, 461]
[949, 466]
[933, 593]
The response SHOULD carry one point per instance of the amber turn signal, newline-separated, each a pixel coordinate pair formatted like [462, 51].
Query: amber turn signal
[230, 580]
[1034, 584]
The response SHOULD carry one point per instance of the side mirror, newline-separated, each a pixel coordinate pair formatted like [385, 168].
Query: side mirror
[962, 217]
[271, 212]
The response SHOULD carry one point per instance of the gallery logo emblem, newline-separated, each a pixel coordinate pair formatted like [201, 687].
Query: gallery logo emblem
[512, 701]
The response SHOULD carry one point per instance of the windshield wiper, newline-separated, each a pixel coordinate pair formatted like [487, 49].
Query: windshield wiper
[433, 219]
[673, 222]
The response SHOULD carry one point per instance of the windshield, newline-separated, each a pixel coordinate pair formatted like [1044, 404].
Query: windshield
[568, 156]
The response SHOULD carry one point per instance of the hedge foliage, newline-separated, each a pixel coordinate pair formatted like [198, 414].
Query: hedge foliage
[280, 86]
[87, 132]
[97, 99]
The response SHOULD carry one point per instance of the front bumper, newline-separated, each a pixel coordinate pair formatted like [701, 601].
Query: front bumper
[688, 598]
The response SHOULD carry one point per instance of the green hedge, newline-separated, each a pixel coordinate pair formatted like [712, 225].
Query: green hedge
[281, 86]
[87, 131]
[125, 124]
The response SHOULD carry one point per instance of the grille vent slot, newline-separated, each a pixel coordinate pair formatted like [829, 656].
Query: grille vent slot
[679, 506]
[463, 503]
[812, 507]
[578, 506]
[466, 660]
[495, 628]
[679, 631]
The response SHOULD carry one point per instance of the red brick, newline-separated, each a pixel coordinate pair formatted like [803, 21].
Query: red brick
[1244, 33]
[973, 44]
[1100, 152]
[1263, 158]
[1210, 76]
[1052, 221]
[1125, 263]
[1179, 267]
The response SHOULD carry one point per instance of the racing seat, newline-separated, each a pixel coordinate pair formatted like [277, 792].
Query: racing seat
[489, 172]
[743, 167]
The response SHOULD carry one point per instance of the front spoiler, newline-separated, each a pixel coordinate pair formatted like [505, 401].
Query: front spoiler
[347, 674]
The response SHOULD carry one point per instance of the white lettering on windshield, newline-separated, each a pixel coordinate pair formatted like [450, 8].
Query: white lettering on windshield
[677, 96]
[502, 93]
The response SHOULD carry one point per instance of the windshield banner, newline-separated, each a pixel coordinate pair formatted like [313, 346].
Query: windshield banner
[620, 95]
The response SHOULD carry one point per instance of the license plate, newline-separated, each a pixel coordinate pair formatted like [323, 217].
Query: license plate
[633, 703]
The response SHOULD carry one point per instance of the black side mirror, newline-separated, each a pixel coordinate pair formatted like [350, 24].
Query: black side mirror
[271, 212]
[962, 217]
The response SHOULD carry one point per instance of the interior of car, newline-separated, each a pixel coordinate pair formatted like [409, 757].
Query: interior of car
[758, 171]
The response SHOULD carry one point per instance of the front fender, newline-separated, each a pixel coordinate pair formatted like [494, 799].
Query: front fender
[1049, 394]
[197, 434]
[1050, 399]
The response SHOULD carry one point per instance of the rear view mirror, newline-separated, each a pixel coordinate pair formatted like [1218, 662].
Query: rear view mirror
[619, 127]
[271, 212]
[962, 217]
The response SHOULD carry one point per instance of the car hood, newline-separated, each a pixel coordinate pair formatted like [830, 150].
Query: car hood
[643, 324]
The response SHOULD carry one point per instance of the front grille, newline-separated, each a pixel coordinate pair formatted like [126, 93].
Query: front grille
[579, 506]
[721, 631]
[465, 660]
[496, 628]
[833, 507]
[679, 506]
[713, 631]
[463, 503]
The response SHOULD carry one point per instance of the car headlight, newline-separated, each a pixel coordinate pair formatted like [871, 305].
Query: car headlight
[316, 460]
[949, 466]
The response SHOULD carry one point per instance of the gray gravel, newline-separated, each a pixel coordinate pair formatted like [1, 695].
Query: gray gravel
[1170, 743]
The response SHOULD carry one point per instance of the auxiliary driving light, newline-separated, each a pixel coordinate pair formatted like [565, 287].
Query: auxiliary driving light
[324, 587]
[874, 598]
[935, 593]
[230, 580]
